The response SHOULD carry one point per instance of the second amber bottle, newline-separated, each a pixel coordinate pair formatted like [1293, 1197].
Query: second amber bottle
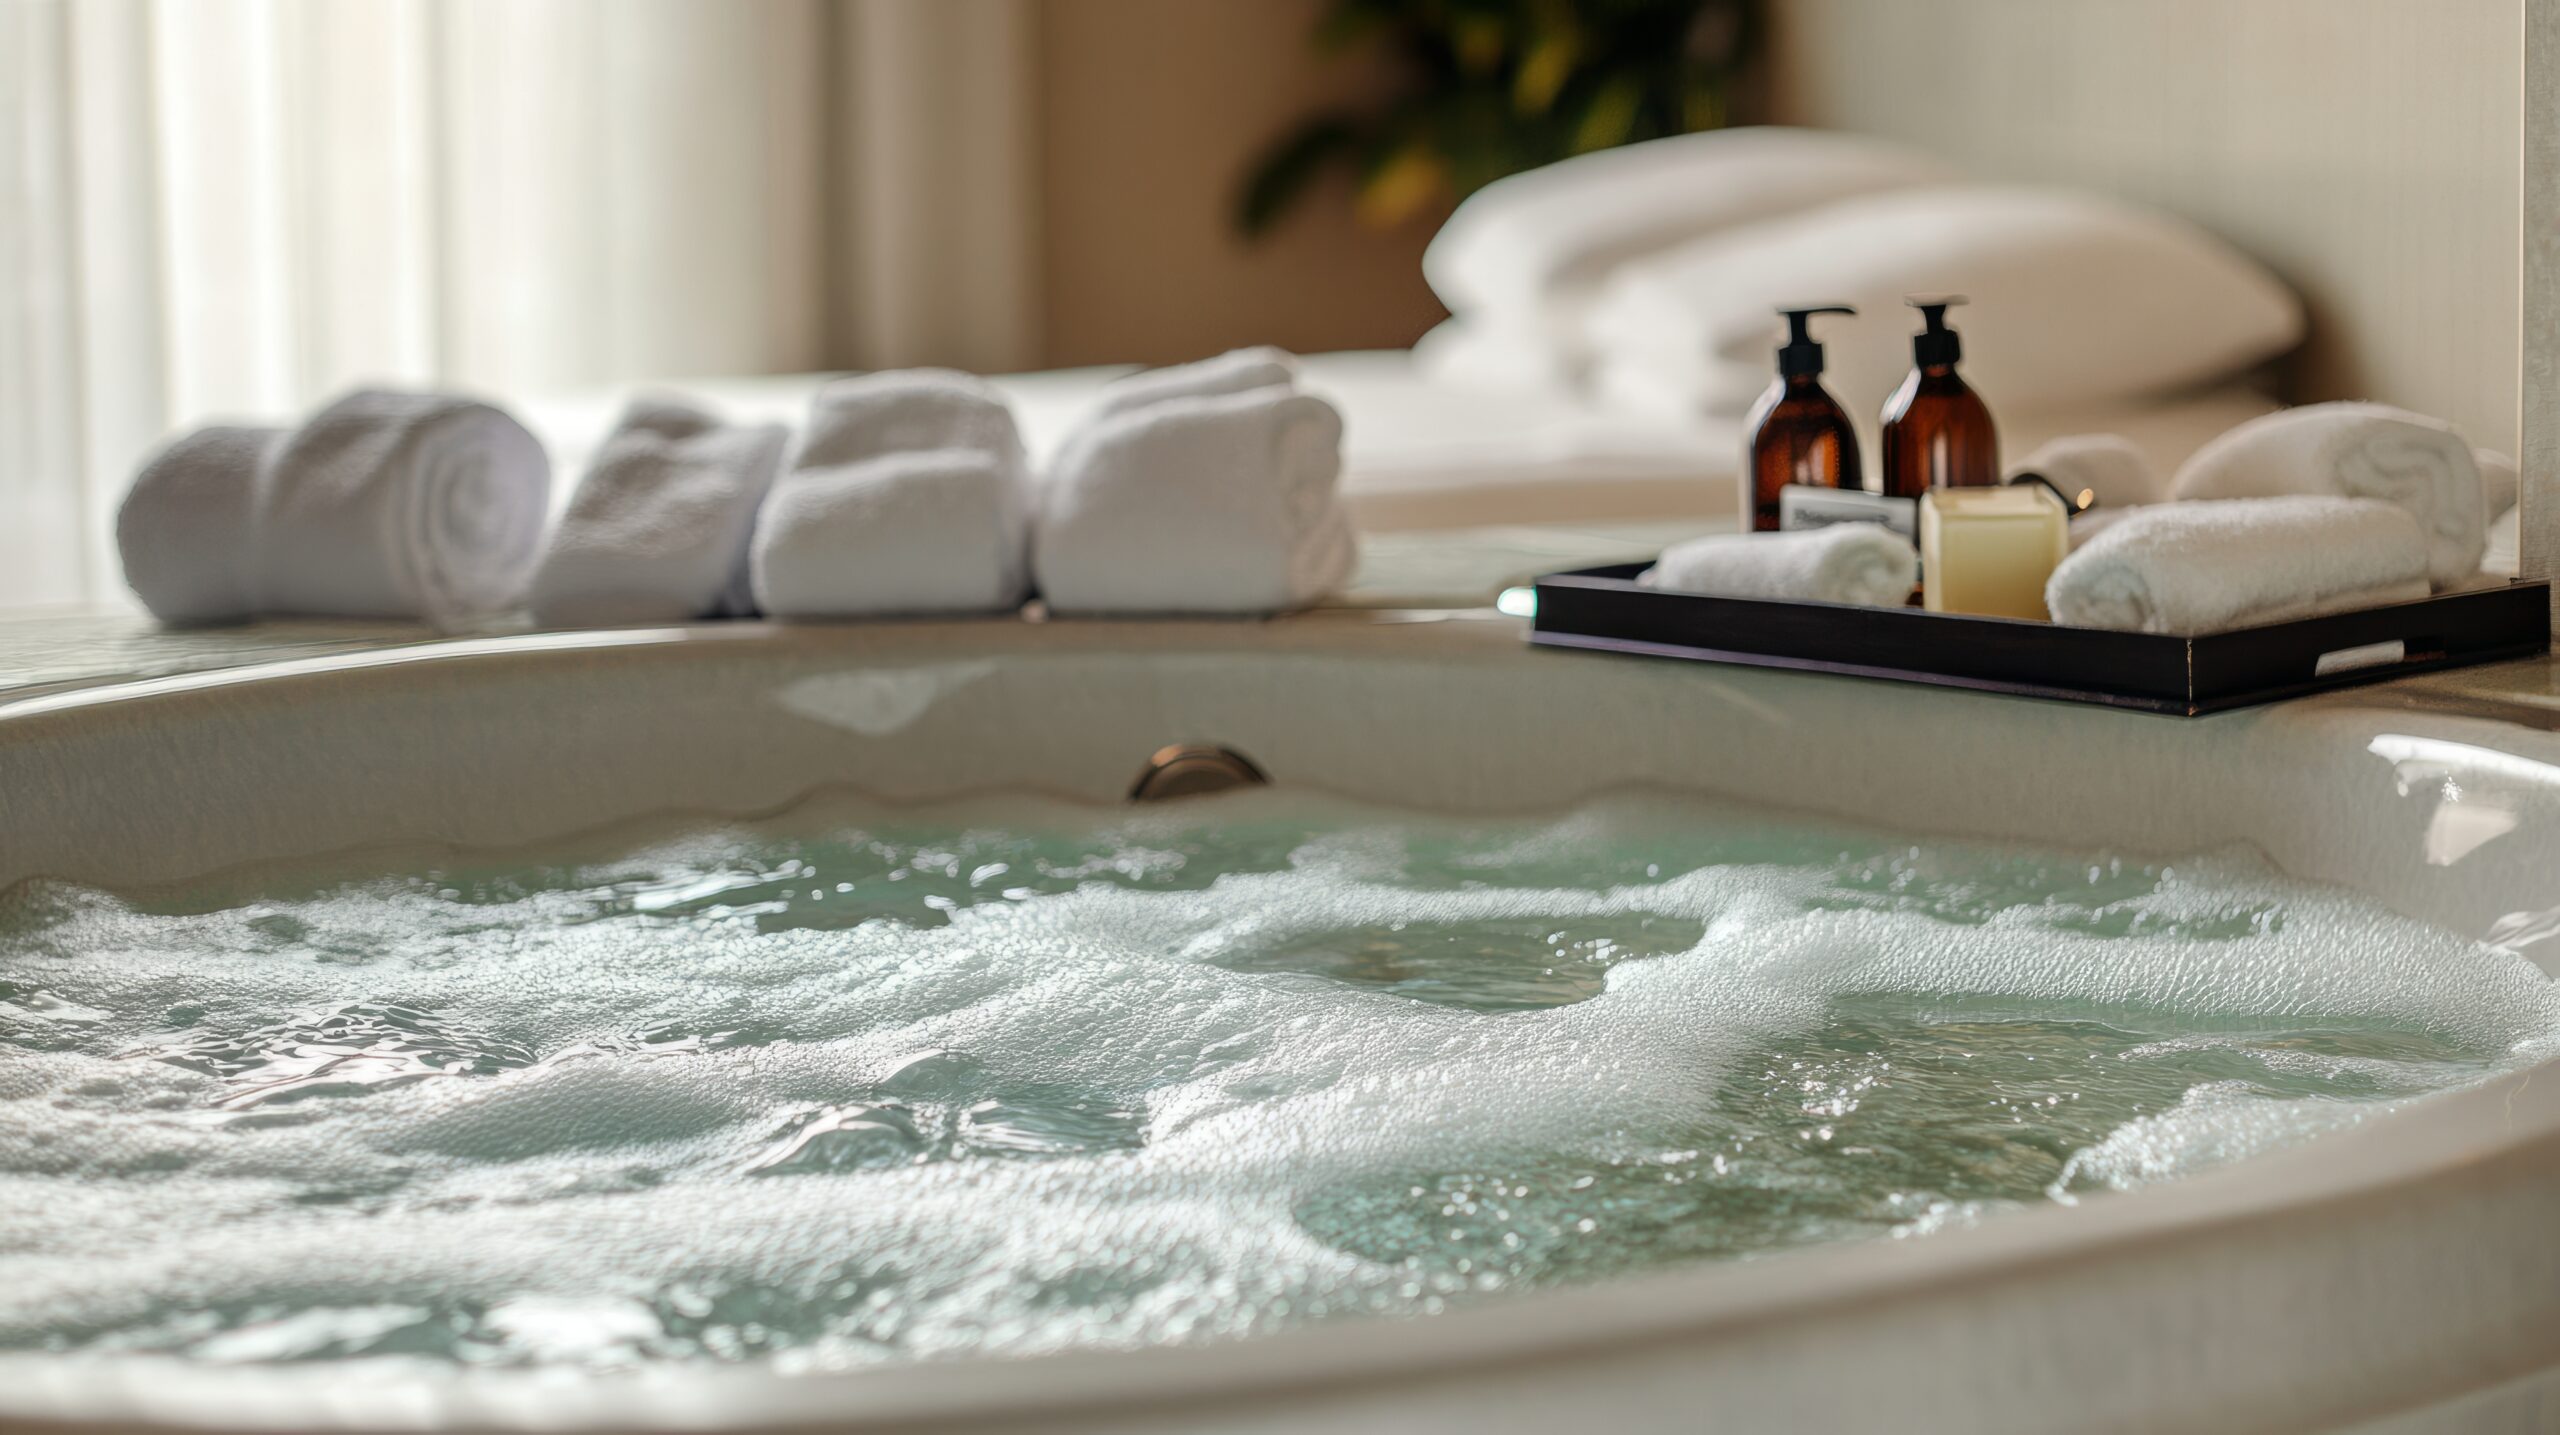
[1937, 430]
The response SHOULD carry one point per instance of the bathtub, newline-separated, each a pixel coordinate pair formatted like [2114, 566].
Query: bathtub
[2400, 1275]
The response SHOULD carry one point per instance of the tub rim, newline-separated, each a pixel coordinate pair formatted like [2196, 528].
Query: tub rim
[2439, 1137]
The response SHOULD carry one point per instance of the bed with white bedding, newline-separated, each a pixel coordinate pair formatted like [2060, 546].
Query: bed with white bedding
[1613, 322]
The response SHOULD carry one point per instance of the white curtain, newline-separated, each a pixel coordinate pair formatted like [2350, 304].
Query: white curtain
[232, 207]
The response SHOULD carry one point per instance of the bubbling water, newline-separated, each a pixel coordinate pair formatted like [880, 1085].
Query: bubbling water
[861, 1084]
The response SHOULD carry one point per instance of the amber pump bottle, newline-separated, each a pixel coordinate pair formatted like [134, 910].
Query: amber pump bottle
[1799, 433]
[1937, 431]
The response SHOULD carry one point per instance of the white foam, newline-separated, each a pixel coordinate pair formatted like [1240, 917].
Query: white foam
[596, 1122]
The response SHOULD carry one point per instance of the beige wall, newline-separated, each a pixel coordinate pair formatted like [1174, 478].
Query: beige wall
[1150, 110]
[2367, 149]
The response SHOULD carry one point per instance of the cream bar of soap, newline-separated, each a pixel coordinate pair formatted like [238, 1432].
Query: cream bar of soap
[1990, 550]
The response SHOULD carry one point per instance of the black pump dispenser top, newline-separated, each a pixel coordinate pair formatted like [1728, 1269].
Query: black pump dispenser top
[1800, 357]
[1936, 344]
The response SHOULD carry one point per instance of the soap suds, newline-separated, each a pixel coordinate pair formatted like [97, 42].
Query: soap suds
[863, 1085]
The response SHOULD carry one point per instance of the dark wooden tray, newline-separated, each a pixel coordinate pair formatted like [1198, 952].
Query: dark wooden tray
[1603, 609]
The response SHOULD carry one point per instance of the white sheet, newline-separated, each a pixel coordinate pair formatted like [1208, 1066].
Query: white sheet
[1425, 454]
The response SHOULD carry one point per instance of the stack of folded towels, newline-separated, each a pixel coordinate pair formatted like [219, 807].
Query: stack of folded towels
[1211, 488]
[2312, 510]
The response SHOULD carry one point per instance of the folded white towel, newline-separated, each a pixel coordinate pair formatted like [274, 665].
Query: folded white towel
[1203, 503]
[2108, 467]
[383, 504]
[2500, 488]
[2499, 483]
[2210, 566]
[1232, 372]
[910, 494]
[2502, 560]
[936, 530]
[658, 529]
[2356, 451]
[1862, 563]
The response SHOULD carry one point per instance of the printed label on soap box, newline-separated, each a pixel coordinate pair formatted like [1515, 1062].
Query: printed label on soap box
[1804, 505]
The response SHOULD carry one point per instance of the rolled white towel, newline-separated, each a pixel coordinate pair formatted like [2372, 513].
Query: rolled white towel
[1203, 503]
[1232, 372]
[1861, 563]
[383, 504]
[2356, 451]
[2108, 467]
[183, 530]
[658, 529]
[910, 495]
[2087, 526]
[2210, 566]
[396, 504]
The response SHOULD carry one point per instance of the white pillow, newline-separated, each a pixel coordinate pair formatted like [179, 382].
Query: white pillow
[2076, 298]
[1484, 353]
[1520, 243]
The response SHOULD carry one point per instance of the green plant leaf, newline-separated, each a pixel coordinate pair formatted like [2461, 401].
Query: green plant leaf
[1610, 115]
[1397, 188]
[1486, 88]
[1349, 23]
[1543, 71]
[1479, 42]
[1701, 107]
[1288, 166]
